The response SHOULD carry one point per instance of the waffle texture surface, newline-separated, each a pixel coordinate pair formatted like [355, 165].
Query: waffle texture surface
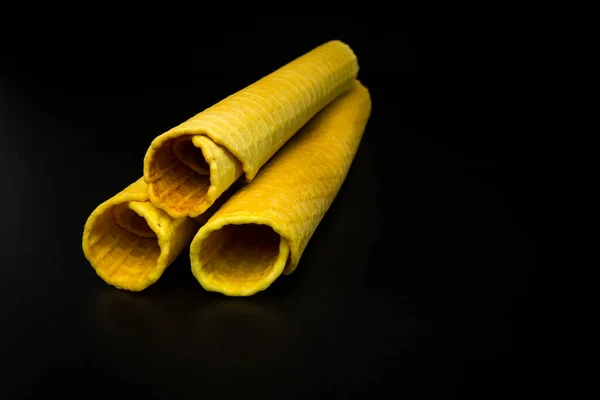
[262, 230]
[130, 242]
[188, 167]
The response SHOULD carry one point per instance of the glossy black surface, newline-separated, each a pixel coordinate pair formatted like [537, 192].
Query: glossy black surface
[419, 278]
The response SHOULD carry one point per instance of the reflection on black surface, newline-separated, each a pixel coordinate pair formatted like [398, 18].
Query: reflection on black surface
[237, 328]
[181, 339]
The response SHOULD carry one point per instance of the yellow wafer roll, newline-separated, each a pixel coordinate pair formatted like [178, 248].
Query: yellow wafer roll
[130, 242]
[188, 167]
[262, 230]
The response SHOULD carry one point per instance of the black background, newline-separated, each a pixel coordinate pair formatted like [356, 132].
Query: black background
[420, 278]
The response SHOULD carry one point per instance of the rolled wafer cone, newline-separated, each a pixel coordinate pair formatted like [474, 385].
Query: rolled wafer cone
[130, 242]
[188, 167]
[262, 230]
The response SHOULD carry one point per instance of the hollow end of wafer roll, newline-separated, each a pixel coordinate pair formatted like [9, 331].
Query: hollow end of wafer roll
[238, 258]
[126, 246]
[186, 174]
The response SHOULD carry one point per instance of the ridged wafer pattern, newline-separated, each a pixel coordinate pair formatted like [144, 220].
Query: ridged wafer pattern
[262, 230]
[238, 135]
[130, 242]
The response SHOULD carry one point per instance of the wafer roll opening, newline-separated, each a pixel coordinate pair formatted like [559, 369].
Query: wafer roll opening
[122, 247]
[180, 180]
[239, 259]
[188, 174]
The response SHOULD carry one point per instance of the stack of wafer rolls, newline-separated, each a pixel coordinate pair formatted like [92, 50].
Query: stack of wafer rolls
[287, 139]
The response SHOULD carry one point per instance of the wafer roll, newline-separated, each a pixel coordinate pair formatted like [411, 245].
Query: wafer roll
[262, 230]
[188, 167]
[130, 242]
